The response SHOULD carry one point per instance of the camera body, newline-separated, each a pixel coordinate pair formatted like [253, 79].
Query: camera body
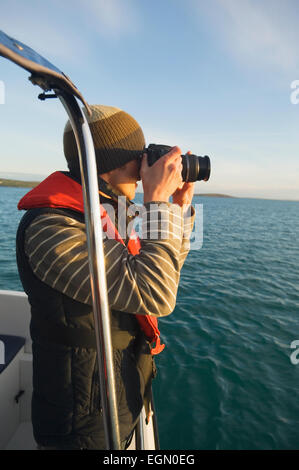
[195, 168]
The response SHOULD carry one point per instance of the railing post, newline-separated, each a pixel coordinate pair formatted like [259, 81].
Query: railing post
[94, 236]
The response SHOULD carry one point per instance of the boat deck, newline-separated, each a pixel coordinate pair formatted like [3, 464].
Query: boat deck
[22, 439]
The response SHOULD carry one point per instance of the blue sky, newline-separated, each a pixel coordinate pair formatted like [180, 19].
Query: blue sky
[210, 76]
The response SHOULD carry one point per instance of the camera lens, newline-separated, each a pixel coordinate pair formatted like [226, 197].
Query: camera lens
[195, 168]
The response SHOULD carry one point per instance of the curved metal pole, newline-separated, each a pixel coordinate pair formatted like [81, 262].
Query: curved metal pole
[94, 236]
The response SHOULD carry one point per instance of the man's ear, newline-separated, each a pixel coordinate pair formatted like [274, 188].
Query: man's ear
[105, 176]
[109, 175]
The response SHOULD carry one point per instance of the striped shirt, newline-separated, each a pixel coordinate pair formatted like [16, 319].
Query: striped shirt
[146, 283]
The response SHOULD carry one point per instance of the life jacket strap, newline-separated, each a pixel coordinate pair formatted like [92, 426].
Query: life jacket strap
[158, 347]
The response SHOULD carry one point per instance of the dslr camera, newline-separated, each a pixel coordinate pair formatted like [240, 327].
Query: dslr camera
[195, 168]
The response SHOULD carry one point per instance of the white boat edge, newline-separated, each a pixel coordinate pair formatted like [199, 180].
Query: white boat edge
[16, 429]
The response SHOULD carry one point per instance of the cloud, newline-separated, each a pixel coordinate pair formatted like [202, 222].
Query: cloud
[263, 32]
[111, 18]
[62, 31]
[41, 27]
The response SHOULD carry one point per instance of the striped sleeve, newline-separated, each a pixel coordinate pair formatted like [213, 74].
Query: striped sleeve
[188, 223]
[146, 283]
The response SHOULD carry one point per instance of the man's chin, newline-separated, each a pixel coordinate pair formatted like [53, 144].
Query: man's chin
[129, 194]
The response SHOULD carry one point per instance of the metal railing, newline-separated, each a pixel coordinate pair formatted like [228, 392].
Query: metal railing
[94, 236]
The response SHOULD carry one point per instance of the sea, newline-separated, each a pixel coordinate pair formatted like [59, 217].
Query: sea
[229, 375]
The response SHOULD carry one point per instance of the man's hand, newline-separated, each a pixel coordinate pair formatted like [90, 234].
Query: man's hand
[162, 179]
[184, 193]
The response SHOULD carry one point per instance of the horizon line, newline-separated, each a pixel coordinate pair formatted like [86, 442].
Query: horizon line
[214, 194]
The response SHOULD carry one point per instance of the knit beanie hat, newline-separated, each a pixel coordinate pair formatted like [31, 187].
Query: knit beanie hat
[117, 139]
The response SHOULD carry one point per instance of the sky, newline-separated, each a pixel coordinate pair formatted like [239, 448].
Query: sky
[212, 77]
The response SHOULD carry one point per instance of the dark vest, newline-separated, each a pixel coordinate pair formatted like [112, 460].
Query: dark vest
[66, 402]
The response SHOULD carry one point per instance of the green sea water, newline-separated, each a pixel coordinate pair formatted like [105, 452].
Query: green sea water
[225, 379]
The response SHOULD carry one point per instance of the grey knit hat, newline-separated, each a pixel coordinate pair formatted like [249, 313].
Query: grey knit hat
[117, 138]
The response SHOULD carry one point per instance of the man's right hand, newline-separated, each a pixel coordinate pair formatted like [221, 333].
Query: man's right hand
[162, 179]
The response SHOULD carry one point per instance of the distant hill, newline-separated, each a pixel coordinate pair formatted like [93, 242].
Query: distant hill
[18, 183]
[214, 195]
[32, 184]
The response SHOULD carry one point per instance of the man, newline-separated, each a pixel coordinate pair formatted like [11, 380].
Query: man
[142, 280]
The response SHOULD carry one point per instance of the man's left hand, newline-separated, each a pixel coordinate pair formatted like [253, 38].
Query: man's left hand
[184, 193]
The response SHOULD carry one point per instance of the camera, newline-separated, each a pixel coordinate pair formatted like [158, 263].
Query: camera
[195, 168]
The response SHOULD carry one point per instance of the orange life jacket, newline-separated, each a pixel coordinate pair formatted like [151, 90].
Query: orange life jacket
[60, 191]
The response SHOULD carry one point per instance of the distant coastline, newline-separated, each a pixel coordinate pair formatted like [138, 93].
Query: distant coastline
[213, 195]
[18, 183]
[32, 184]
